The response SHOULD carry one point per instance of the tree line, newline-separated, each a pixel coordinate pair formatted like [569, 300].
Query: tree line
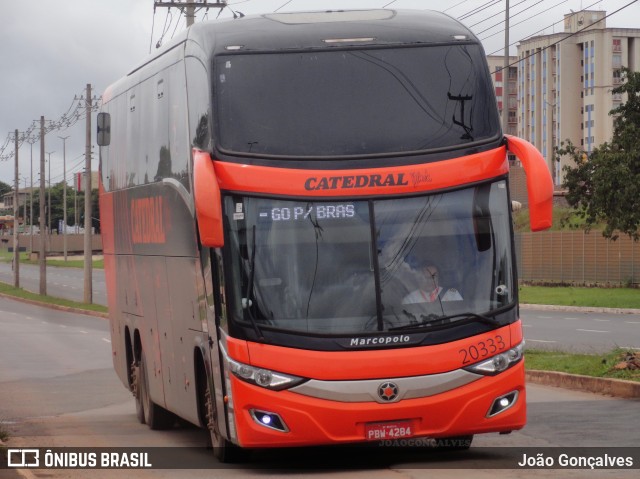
[74, 198]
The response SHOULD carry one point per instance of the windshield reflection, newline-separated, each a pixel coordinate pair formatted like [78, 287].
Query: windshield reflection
[366, 266]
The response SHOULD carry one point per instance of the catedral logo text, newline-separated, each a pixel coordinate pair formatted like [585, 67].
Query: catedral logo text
[354, 181]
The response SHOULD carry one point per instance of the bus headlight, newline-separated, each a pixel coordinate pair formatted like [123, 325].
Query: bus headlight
[499, 362]
[260, 376]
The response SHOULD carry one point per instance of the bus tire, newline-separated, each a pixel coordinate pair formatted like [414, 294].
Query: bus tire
[135, 389]
[156, 417]
[223, 450]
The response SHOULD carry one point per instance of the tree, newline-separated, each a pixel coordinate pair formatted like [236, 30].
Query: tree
[605, 187]
[4, 188]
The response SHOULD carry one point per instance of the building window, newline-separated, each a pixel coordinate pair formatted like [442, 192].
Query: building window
[617, 45]
[616, 77]
[616, 61]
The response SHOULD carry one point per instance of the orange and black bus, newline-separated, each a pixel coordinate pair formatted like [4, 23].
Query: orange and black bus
[307, 232]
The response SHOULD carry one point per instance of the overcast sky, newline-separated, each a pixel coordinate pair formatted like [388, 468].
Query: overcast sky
[51, 49]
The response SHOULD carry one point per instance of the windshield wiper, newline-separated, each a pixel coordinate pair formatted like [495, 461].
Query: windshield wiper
[252, 265]
[433, 320]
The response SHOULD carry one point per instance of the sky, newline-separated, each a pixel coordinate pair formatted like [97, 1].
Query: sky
[50, 50]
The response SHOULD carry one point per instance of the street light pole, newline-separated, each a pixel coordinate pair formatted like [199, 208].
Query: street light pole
[64, 194]
[49, 203]
[16, 208]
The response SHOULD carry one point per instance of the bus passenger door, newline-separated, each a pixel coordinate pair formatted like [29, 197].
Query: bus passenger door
[216, 323]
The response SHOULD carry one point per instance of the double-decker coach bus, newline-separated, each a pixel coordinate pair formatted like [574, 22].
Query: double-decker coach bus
[307, 232]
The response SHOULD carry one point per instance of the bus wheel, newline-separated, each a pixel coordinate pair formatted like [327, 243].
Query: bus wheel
[223, 450]
[135, 389]
[156, 417]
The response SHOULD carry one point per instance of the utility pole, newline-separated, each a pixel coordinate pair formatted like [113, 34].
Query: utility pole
[64, 194]
[189, 7]
[16, 208]
[31, 141]
[42, 260]
[24, 207]
[49, 200]
[88, 253]
[505, 73]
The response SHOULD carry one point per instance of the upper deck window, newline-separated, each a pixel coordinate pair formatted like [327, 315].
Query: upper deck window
[354, 102]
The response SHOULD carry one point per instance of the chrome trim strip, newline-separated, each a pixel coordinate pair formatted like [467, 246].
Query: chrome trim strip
[367, 390]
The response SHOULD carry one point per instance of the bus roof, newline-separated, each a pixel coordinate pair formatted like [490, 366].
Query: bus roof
[310, 30]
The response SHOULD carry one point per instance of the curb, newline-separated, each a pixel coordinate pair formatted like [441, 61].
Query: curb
[619, 388]
[578, 309]
[58, 307]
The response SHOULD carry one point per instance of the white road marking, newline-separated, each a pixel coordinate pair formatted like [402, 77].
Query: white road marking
[106, 340]
[538, 341]
[591, 331]
[602, 320]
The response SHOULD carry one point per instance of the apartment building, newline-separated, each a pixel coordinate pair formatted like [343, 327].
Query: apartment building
[565, 81]
[506, 88]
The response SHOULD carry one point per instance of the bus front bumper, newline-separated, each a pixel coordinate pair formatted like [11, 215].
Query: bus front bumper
[300, 420]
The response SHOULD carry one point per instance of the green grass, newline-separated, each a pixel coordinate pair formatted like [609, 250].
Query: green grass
[576, 296]
[71, 263]
[595, 365]
[564, 219]
[24, 294]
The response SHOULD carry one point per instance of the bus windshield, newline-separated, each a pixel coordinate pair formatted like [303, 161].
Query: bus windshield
[354, 102]
[343, 267]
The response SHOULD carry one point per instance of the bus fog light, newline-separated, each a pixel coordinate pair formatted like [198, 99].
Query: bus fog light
[502, 403]
[269, 420]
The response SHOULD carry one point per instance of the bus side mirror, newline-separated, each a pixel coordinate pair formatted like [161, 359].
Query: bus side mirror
[539, 182]
[104, 129]
[208, 200]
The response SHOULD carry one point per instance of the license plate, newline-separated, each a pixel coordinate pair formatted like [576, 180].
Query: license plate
[388, 430]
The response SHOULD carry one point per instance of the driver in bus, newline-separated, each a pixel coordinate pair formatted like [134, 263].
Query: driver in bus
[430, 290]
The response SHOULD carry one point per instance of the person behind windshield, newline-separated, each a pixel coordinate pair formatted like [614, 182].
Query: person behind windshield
[430, 289]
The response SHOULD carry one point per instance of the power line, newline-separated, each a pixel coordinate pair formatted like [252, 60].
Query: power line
[567, 37]
[512, 16]
[479, 9]
[542, 29]
[282, 6]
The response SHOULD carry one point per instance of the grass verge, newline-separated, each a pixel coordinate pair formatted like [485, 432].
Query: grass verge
[24, 294]
[576, 296]
[70, 263]
[4, 434]
[617, 364]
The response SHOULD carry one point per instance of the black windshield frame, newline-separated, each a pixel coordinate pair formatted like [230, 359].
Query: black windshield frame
[331, 125]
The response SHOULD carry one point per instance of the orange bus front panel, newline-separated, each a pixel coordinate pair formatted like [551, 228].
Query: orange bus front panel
[315, 421]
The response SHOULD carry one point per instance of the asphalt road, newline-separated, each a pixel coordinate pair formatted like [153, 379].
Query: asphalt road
[67, 283]
[575, 331]
[572, 331]
[58, 388]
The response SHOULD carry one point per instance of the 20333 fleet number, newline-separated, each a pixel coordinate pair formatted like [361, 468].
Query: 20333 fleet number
[482, 349]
